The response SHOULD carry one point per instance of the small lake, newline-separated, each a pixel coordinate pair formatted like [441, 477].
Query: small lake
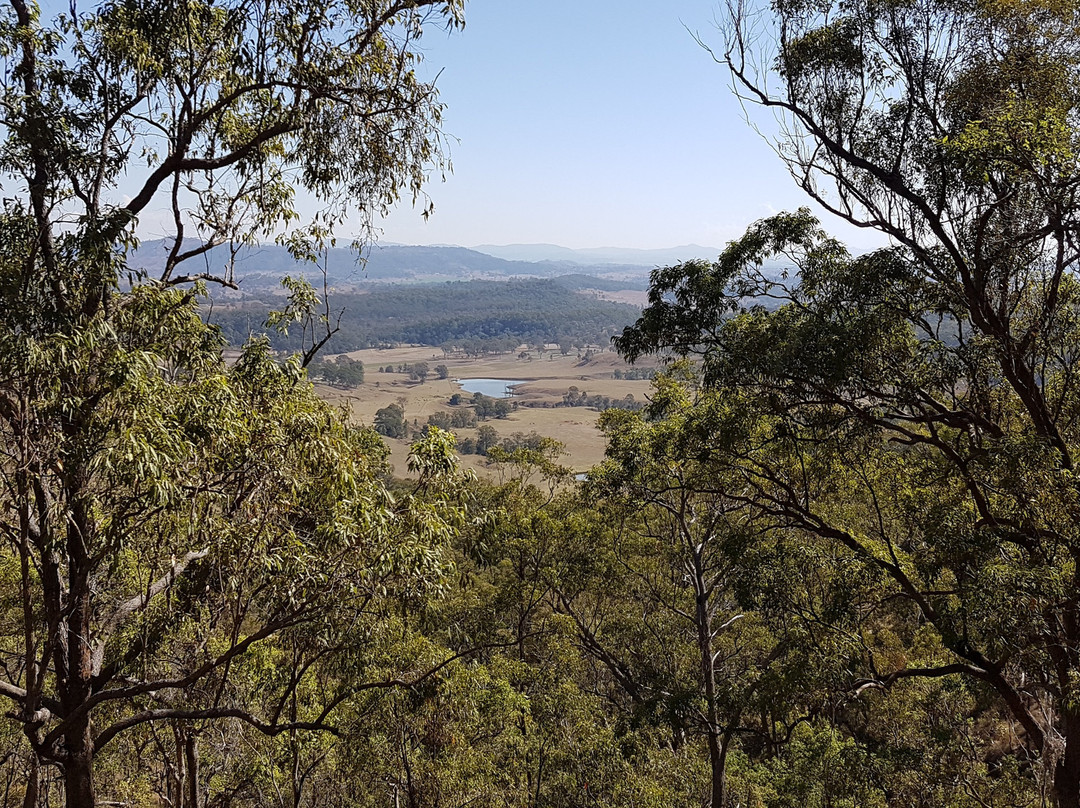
[496, 388]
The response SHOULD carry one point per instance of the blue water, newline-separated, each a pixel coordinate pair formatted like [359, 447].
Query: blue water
[496, 388]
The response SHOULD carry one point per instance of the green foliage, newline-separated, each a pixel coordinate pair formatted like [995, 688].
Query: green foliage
[419, 371]
[458, 419]
[879, 464]
[486, 437]
[488, 407]
[833, 562]
[574, 397]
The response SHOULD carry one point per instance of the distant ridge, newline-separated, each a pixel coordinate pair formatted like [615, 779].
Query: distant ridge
[386, 263]
[593, 256]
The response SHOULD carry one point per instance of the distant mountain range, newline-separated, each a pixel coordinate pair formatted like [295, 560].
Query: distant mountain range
[599, 255]
[389, 264]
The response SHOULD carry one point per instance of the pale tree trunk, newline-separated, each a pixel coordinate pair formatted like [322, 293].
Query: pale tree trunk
[715, 739]
[33, 783]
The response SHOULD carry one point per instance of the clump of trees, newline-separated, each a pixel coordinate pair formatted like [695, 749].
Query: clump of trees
[390, 421]
[574, 397]
[634, 374]
[489, 407]
[417, 371]
[458, 419]
[343, 371]
[487, 439]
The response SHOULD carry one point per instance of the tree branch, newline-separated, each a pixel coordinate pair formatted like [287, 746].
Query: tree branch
[140, 601]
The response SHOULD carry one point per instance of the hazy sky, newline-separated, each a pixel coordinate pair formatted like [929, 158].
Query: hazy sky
[591, 123]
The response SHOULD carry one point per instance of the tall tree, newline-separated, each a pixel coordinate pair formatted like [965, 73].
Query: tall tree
[679, 543]
[867, 421]
[953, 130]
[166, 513]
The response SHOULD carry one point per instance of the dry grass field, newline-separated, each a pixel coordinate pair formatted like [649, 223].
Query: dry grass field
[543, 379]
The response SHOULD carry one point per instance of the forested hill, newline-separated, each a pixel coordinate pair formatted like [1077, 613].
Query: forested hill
[580, 282]
[513, 311]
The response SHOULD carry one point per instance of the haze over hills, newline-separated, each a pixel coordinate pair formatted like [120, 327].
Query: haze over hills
[431, 295]
[261, 267]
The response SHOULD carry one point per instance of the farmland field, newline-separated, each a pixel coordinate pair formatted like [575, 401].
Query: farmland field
[545, 378]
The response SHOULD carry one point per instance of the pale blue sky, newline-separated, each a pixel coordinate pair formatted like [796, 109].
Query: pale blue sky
[592, 123]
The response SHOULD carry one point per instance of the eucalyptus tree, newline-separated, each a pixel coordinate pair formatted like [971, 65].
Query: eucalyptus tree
[564, 737]
[678, 547]
[669, 598]
[165, 514]
[858, 416]
[944, 367]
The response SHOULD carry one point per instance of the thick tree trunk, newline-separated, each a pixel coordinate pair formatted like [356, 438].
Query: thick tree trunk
[1067, 771]
[79, 768]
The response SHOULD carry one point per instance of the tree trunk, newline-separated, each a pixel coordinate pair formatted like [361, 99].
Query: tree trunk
[191, 757]
[717, 767]
[1067, 771]
[33, 783]
[79, 739]
[717, 749]
[79, 768]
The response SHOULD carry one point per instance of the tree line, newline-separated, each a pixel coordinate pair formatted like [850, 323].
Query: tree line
[477, 315]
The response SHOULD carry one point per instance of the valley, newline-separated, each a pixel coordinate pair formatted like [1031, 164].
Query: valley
[545, 379]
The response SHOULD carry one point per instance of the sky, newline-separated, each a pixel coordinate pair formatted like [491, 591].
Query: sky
[595, 123]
